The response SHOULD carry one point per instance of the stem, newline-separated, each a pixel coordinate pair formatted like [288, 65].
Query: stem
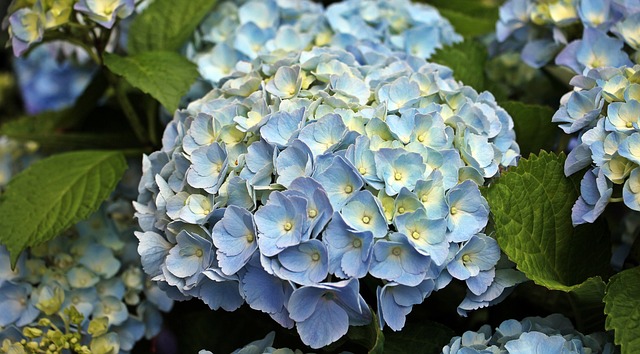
[152, 121]
[616, 200]
[127, 108]
[131, 114]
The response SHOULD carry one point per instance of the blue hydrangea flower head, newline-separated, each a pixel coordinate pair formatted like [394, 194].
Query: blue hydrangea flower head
[329, 178]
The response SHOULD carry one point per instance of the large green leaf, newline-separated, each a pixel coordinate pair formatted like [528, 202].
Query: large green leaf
[166, 76]
[468, 25]
[166, 24]
[623, 309]
[533, 127]
[424, 337]
[531, 210]
[53, 194]
[531, 207]
[467, 60]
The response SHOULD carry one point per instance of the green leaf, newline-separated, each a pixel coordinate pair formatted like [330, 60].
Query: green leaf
[166, 76]
[468, 25]
[424, 337]
[533, 126]
[55, 193]
[531, 209]
[622, 306]
[473, 8]
[166, 24]
[467, 60]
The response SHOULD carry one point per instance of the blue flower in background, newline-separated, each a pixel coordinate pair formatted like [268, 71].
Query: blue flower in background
[15, 304]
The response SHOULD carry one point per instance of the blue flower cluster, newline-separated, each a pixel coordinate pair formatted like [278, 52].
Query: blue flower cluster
[579, 34]
[604, 110]
[50, 78]
[311, 170]
[97, 271]
[532, 335]
[28, 20]
[240, 32]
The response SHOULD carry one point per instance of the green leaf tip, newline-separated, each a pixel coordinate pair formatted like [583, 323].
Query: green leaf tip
[622, 307]
[55, 193]
[166, 76]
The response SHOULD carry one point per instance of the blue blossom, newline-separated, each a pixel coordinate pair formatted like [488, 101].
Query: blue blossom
[319, 208]
[398, 94]
[397, 260]
[552, 334]
[266, 292]
[631, 190]
[581, 110]
[15, 304]
[503, 284]
[306, 263]
[235, 238]
[395, 301]
[324, 135]
[398, 169]
[595, 191]
[340, 180]
[280, 224]
[323, 312]
[104, 12]
[282, 127]
[27, 27]
[190, 256]
[468, 211]
[594, 50]
[286, 82]
[296, 160]
[100, 260]
[209, 167]
[363, 212]
[480, 253]
[426, 235]
[349, 250]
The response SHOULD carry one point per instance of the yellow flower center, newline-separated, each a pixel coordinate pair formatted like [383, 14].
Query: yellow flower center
[357, 243]
[466, 258]
[199, 252]
[421, 138]
[312, 213]
[366, 219]
[288, 226]
[453, 211]
[397, 176]
[362, 170]
[396, 251]
[629, 125]
[348, 189]
[401, 210]
[315, 257]
[424, 198]
[249, 238]
[415, 235]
